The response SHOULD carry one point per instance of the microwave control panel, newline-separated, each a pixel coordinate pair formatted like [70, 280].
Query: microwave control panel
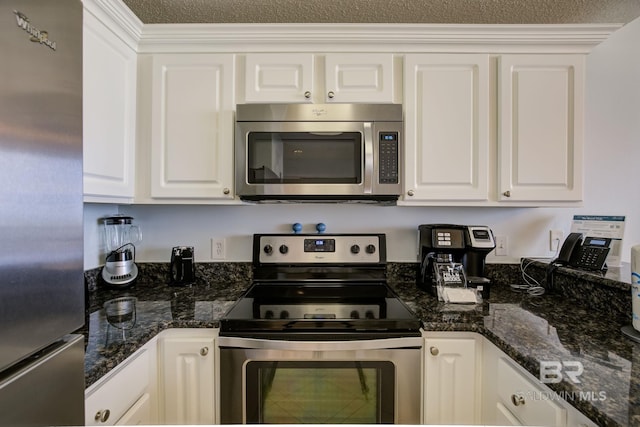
[388, 161]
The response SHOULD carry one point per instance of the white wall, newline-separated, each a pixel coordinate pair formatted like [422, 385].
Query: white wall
[612, 151]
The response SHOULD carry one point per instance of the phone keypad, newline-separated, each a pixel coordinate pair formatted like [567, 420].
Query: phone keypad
[592, 257]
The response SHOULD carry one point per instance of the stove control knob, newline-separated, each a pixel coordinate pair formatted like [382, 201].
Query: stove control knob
[268, 314]
[355, 249]
[284, 314]
[369, 315]
[354, 314]
[284, 249]
[268, 249]
[371, 249]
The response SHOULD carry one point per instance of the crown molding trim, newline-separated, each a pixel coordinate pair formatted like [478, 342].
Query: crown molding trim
[397, 38]
[118, 18]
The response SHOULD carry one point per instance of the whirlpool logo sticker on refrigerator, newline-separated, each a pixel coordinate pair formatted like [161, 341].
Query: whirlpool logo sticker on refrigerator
[37, 36]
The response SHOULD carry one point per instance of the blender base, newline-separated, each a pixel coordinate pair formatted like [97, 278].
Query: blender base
[120, 280]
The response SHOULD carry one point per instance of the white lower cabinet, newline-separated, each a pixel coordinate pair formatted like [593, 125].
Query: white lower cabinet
[504, 417]
[522, 397]
[127, 395]
[451, 379]
[139, 413]
[512, 396]
[187, 376]
[467, 380]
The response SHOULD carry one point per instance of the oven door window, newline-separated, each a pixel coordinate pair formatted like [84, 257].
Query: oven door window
[304, 158]
[320, 392]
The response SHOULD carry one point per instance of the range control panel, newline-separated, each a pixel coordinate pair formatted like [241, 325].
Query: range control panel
[320, 248]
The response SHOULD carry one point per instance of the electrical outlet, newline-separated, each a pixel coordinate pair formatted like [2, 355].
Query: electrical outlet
[217, 248]
[555, 237]
[502, 245]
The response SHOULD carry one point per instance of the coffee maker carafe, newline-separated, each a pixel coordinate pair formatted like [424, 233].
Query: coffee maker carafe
[467, 245]
[120, 235]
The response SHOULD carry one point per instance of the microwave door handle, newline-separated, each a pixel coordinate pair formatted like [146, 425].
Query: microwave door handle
[368, 158]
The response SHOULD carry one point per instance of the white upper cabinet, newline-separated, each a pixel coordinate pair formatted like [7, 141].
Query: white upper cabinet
[518, 142]
[540, 138]
[292, 77]
[192, 126]
[359, 78]
[109, 114]
[494, 115]
[278, 77]
[446, 127]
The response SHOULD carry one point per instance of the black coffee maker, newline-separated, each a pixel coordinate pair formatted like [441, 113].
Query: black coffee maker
[448, 243]
[183, 266]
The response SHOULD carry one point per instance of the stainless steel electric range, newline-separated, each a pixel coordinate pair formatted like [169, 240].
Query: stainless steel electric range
[320, 327]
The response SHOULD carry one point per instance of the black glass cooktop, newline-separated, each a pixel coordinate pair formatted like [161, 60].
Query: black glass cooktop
[323, 310]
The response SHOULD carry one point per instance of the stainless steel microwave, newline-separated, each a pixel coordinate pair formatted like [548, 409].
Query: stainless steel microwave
[319, 152]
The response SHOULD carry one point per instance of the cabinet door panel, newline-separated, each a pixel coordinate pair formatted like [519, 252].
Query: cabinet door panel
[359, 78]
[447, 127]
[273, 77]
[512, 386]
[540, 132]
[192, 126]
[504, 417]
[188, 379]
[120, 390]
[109, 112]
[138, 414]
[450, 381]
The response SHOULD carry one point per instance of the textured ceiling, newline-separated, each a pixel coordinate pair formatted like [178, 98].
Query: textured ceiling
[391, 11]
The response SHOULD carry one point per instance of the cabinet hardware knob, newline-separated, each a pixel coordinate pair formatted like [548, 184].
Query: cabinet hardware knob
[331, 94]
[226, 191]
[307, 94]
[517, 399]
[434, 351]
[507, 193]
[102, 416]
[204, 351]
[410, 193]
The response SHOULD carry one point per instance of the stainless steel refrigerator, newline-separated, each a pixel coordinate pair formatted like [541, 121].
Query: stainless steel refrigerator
[41, 226]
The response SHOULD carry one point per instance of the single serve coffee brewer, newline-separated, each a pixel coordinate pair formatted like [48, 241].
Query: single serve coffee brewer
[455, 255]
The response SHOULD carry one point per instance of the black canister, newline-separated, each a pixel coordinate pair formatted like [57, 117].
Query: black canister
[183, 265]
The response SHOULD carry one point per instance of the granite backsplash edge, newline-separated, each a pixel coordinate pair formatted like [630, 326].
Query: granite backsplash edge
[588, 290]
[236, 272]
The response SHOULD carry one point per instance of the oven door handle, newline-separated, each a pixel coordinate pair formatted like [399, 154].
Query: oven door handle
[254, 343]
[368, 158]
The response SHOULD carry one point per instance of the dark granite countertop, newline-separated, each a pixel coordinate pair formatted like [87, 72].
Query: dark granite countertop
[528, 328]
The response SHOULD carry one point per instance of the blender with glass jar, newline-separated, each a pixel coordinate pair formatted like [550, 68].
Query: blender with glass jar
[120, 235]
